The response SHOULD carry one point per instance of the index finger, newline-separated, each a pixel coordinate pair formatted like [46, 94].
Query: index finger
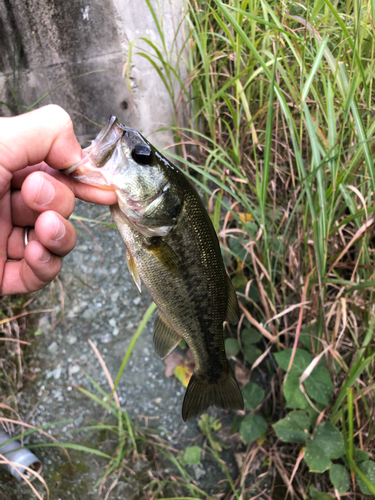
[45, 134]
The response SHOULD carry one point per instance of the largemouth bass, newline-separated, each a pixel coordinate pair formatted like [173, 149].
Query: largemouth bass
[172, 247]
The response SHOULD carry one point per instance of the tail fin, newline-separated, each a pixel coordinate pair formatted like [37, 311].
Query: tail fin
[201, 394]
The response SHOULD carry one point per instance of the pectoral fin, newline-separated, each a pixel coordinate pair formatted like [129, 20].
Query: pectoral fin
[133, 269]
[164, 254]
[233, 310]
[165, 339]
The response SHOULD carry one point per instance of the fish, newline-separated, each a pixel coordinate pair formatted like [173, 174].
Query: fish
[172, 247]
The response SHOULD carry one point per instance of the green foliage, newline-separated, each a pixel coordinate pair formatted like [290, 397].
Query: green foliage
[190, 456]
[252, 427]
[232, 347]
[253, 395]
[329, 439]
[318, 495]
[315, 458]
[319, 385]
[368, 469]
[294, 397]
[249, 337]
[301, 360]
[279, 101]
[208, 425]
[340, 478]
[326, 444]
[294, 427]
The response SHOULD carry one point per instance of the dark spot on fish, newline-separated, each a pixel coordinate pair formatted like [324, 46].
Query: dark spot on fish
[124, 105]
[142, 154]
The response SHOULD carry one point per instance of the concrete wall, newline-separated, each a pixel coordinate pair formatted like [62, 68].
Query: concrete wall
[44, 43]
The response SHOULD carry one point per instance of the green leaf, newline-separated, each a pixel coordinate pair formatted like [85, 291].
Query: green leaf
[329, 439]
[318, 495]
[253, 395]
[319, 385]
[252, 354]
[294, 427]
[340, 478]
[191, 455]
[301, 360]
[239, 282]
[315, 458]
[232, 347]
[252, 426]
[360, 456]
[308, 337]
[238, 248]
[71, 446]
[313, 416]
[327, 443]
[235, 427]
[293, 395]
[250, 336]
[368, 469]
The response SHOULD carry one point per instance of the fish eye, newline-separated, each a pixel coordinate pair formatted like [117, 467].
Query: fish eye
[142, 153]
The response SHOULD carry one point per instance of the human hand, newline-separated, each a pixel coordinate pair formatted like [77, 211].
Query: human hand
[33, 147]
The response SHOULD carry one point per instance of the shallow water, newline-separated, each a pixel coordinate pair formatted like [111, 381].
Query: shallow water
[96, 299]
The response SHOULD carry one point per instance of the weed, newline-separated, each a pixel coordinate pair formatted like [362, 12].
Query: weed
[281, 138]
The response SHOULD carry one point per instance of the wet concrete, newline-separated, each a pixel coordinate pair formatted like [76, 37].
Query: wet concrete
[74, 53]
[97, 299]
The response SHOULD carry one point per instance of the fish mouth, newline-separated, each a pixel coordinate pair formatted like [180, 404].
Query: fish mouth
[103, 159]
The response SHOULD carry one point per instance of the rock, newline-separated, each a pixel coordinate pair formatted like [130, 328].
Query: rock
[53, 347]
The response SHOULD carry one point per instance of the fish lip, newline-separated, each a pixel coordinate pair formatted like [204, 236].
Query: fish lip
[72, 168]
[113, 127]
[103, 177]
[120, 132]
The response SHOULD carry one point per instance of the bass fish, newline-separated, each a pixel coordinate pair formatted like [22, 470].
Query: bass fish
[172, 247]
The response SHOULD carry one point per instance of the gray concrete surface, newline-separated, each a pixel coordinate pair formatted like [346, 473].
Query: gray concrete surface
[47, 44]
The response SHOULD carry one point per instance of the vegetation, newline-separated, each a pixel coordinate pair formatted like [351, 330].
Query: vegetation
[277, 130]
[273, 121]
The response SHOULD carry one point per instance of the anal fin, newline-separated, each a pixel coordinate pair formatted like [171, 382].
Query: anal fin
[233, 310]
[165, 339]
[133, 269]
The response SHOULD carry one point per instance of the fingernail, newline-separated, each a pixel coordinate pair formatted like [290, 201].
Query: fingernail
[46, 192]
[60, 231]
[44, 256]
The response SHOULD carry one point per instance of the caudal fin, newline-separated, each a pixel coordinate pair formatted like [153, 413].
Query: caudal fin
[201, 394]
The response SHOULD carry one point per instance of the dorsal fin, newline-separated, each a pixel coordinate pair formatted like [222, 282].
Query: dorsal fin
[233, 310]
[165, 339]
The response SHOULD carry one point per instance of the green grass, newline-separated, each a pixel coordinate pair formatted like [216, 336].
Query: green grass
[277, 124]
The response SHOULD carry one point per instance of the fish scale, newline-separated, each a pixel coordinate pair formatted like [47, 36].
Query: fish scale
[173, 248]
